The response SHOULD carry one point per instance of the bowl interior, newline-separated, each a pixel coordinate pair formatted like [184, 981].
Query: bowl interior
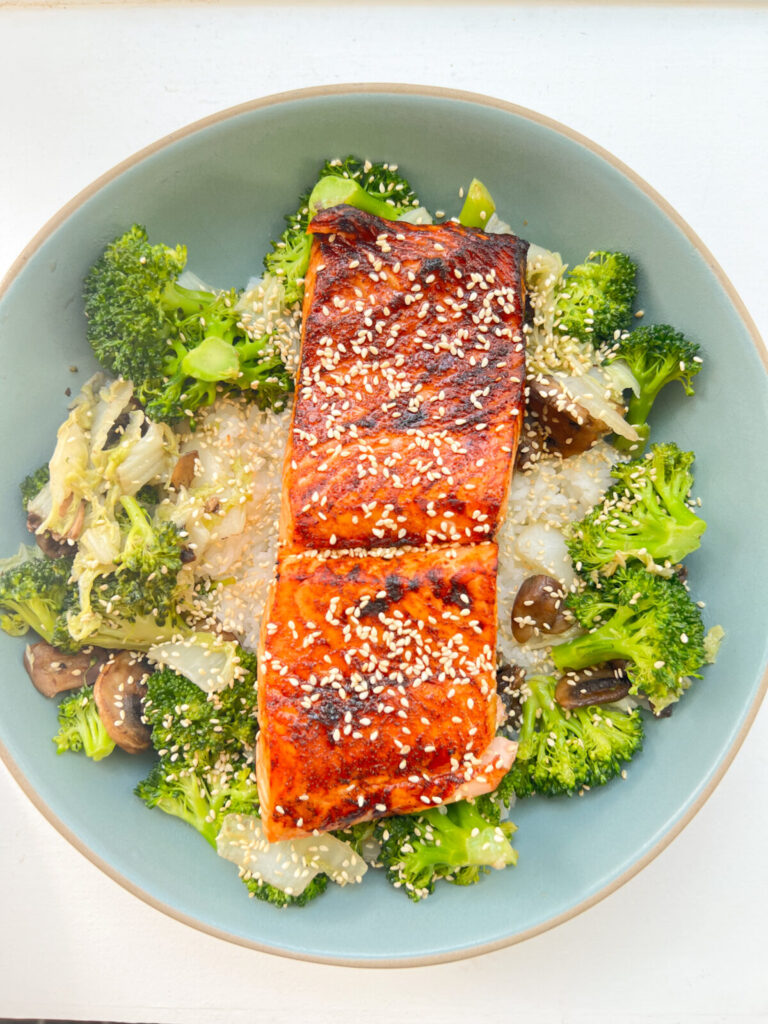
[223, 189]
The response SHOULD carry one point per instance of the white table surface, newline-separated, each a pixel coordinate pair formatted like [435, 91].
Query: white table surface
[681, 95]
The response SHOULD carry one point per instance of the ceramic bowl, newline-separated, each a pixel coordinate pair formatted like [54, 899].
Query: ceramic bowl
[222, 186]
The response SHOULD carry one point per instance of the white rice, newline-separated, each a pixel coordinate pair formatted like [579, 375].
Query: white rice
[238, 442]
[542, 502]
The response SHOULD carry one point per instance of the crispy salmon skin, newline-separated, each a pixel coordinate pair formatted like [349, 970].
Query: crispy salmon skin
[410, 390]
[377, 686]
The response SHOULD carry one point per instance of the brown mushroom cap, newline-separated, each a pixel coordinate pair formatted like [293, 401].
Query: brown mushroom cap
[46, 541]
[184, 471]
[569, 428]
[599, 684]
[54, 672]
[119, 692]
[539, 607]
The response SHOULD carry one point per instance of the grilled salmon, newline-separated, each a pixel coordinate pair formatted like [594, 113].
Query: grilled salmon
[377, 686]
[410, 390]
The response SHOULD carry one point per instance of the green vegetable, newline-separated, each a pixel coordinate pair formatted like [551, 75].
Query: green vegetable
[31, 485]
[646, 619]
[643, 516]
[337, 191]
[458, 843]
[196, 726]
[205, 744]
[37, 593]
[148, 565]
[200, 795]
[597, 298]
[562, 752]
[380, 184]
[478, 206]
[278, 898]
[179, 346]
[656, 355]
[81, 727]
[205, 772]
[33, 595]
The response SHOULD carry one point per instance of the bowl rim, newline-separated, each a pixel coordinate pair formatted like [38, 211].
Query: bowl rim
[434, 92]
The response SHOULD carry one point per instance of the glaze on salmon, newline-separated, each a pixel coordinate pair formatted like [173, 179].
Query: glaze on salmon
[377, 686]
[409, 398]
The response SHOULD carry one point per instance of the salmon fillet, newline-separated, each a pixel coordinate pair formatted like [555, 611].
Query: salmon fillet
[409, 398]
[377, 686]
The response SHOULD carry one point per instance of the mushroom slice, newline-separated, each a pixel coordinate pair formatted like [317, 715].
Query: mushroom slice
[119, 692]
[184, 471]
[54, 672]
[599, 684]
[570, 429]
[539, 608]
[46, 541]
[574, 412]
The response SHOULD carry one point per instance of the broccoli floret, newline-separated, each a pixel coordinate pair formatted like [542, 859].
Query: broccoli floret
[646, 619]
[112, 622]
[278, 898]
[357, 835]
[643, 516]
[31, 485]
[563, 752]
[149, 564]
[456, 842]
[656, 355]
[33, 595]
[81, 727]
[179, 346]
[115, 626]
[597, 297]
[39, 595]
[201, 796]
[197, 727]
[205, 744]
[289, 258]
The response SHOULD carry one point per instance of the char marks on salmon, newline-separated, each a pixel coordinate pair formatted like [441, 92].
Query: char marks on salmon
[409, 399]
[377, 686]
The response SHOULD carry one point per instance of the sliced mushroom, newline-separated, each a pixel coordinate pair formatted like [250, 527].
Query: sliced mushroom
[54, 672]
[570, 429]
[119, 692]
[46, 541]
[184, 471]
[539, 607]
[599, 684]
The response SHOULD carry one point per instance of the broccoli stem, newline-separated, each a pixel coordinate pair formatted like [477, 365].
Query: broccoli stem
[478, 206]
[605, 644]
[531, 712]
[141, 528]
[186, 301]
[335, 191]
[638, 410]
[484, 843]
[213, 360]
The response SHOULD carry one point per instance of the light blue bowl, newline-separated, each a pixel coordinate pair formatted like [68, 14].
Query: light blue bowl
[222, 186]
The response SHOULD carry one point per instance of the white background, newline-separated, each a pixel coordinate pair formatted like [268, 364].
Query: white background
[678, 93]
